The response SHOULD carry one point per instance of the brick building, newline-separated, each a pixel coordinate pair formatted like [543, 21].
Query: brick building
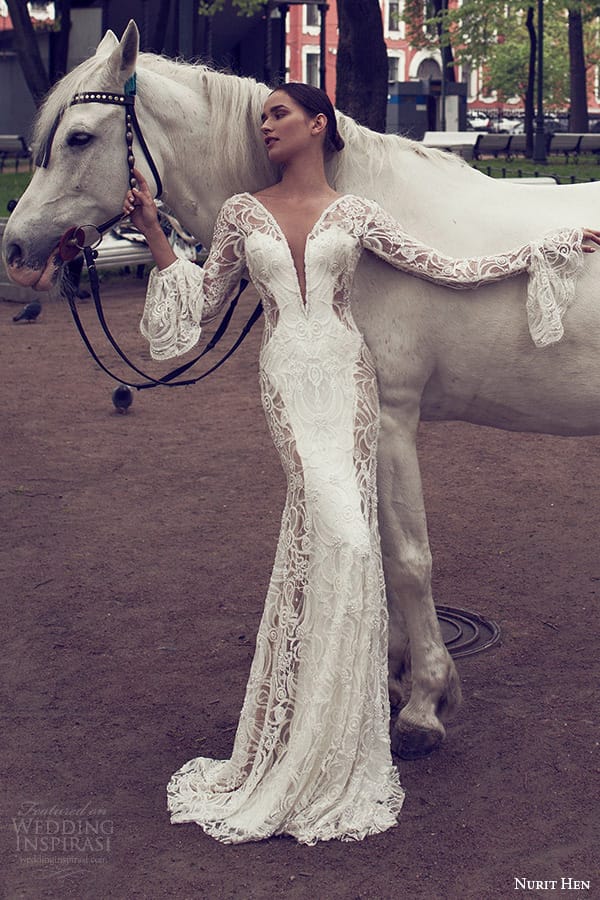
[303, 39]
[405, 63]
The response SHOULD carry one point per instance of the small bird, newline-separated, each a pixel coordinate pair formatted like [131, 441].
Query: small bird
[122, 398]
[29, 313]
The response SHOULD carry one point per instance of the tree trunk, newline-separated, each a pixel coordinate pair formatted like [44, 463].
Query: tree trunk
[28, 51]
[362, 66]
[578, 112]
[530, 91]
[160, 27]
[447, 54]
[59, 41]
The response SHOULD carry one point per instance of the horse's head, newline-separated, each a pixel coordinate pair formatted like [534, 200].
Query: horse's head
[82, 173]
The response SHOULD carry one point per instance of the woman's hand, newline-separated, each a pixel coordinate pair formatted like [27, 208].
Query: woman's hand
[140, 206]
[141, 209]
[590, 237]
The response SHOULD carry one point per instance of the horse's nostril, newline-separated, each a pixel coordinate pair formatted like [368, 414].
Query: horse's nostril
[14, 254]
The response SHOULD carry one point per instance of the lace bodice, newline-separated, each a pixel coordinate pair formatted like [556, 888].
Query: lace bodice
[181, 296]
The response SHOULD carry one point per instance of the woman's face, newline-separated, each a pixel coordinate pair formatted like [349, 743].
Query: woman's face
[286, 127]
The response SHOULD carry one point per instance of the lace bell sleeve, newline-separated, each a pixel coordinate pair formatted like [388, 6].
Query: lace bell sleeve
[183, 295]
[552, 264]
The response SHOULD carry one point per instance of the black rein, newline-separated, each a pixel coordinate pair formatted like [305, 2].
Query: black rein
[73, 242]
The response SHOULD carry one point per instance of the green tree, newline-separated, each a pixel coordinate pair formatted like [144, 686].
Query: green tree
[499, 37]
[427, 23]
[508, 68]
[244, 7]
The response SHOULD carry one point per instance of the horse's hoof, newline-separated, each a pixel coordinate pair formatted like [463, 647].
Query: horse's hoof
[412, 741]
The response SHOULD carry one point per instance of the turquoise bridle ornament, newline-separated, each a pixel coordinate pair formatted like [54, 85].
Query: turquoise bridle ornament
[86, 238]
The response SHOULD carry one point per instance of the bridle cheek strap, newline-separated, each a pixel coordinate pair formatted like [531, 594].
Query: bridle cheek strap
[76, 240]
[132, 128]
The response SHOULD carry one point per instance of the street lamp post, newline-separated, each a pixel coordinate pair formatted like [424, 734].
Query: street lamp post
[539, 144]
[444, 72]
[323, 7]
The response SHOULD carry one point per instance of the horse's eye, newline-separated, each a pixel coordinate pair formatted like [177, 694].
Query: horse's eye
[79, 139]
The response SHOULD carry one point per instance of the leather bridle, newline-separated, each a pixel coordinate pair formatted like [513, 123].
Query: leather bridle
[86, 239]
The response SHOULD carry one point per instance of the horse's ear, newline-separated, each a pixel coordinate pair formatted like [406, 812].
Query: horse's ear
[123, 57]
[107, 44]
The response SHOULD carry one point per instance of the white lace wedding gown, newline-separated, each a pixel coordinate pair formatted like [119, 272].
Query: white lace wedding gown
[311, 756]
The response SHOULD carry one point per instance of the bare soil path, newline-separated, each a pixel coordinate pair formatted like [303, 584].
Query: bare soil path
[135, 558]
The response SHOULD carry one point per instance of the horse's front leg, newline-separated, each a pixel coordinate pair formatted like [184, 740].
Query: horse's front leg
[434, 684]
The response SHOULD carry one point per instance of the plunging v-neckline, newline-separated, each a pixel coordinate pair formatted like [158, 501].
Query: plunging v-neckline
[279, 229]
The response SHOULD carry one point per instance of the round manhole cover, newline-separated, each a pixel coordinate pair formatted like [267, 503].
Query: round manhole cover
[465, 632]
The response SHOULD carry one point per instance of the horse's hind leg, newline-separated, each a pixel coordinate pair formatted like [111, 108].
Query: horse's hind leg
[434, 684]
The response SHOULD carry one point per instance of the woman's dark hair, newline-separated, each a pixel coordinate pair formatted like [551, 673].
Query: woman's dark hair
[315, 101]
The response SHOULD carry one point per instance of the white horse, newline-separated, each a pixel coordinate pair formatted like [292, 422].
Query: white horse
[440, 354]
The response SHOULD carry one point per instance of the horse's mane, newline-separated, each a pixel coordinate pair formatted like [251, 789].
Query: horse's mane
[373, 153]
[238, 101]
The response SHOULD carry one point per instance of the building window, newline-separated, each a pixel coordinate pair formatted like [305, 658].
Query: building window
[396, 65]
[313, 18]
[429, 27]
[312, 75]
[393, 17]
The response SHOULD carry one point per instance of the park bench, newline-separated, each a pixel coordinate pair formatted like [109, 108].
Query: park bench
[590, 143]
[517, 146]
[13, 147]
[492, 145]
[460, 142]
[565, 143]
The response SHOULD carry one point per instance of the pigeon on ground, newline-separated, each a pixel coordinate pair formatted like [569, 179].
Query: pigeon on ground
[122, 398]
[29, 313]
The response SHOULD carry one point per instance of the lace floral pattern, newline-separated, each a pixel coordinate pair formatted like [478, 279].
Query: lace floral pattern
[555, 263]
[311, 755]
[183, 295]
[552, 263]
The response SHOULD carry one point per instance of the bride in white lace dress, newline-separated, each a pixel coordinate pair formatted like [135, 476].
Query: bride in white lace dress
[311, 756]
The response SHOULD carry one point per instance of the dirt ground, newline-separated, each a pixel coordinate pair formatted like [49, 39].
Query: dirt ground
[135, 558]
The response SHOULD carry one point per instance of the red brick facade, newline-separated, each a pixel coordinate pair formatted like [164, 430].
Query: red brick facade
[406, 64]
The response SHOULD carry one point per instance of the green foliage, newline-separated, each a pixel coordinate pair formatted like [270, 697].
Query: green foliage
[586, 168]
[243, 7]
[491, 34]
[507, 67]
[425, 20]
[12, 185]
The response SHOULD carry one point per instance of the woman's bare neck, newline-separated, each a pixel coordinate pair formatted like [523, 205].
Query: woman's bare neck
[300, 182]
